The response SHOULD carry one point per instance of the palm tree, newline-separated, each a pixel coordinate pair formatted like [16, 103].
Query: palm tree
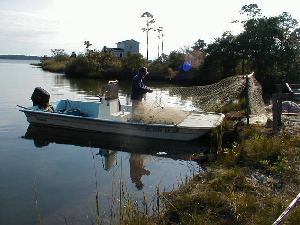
[160, 36]
[87, 43]
[149, 24]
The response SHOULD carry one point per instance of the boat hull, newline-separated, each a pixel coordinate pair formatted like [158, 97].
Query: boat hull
[159, 131]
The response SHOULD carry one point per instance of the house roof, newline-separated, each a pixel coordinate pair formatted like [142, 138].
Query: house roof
[127, 41]
[116, 49]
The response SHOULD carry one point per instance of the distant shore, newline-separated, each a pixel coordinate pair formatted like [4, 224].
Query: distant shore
[22, 57]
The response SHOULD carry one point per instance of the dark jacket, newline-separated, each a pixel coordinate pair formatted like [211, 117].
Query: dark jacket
[138, 88]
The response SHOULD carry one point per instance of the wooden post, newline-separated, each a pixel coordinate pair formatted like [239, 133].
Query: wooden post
[277, 109]
[279, 106]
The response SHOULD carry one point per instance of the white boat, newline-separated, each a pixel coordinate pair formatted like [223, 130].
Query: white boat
[109, 116]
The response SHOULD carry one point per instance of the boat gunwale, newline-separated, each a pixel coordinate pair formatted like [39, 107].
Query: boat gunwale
[97, 119]
[126, 122]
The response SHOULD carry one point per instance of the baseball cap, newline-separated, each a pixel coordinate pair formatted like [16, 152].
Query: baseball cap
[143, 70]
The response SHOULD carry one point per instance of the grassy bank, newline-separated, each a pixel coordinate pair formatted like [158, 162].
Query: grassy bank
[54, 66]
[251, 182]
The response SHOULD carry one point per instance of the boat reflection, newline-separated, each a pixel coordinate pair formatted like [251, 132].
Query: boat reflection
[110, 144]
[43, 136]
[110, 158]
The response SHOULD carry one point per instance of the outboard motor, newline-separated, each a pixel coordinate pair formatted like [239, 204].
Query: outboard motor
[112, 90]
[40, 97]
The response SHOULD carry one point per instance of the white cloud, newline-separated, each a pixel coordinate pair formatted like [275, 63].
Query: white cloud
[23, 31]
[13, 20]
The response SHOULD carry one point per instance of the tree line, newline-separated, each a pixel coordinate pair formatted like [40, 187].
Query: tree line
[20, 57]
[268, 46]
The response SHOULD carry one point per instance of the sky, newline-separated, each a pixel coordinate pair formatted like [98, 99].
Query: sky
[34, 27]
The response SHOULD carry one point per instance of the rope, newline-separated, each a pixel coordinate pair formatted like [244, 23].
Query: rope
[287, 210]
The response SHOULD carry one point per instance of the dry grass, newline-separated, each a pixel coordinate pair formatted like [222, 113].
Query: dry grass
[54, 66]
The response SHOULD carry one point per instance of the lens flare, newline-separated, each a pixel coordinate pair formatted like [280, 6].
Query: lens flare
[187, 66]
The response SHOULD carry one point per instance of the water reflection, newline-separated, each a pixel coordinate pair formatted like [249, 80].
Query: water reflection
[89, 86]
[110, 158]
[43, 135]
[137, 170]
[97, 86]
[109, 145]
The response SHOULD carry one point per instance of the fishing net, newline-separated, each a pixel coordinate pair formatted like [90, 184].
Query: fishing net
[213, 97]
[207, 98]
[146, 113]
[256, 102]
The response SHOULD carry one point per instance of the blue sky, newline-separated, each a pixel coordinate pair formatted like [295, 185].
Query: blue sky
[34, 27]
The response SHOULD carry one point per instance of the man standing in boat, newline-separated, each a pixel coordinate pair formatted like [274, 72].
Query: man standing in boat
[138, 88]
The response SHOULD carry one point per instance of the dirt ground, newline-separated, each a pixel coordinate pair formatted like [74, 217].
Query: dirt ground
[291, 123]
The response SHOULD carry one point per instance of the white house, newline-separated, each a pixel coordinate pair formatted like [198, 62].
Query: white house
[123, 48]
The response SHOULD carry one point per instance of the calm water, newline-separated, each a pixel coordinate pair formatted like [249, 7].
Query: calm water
[66, 165]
